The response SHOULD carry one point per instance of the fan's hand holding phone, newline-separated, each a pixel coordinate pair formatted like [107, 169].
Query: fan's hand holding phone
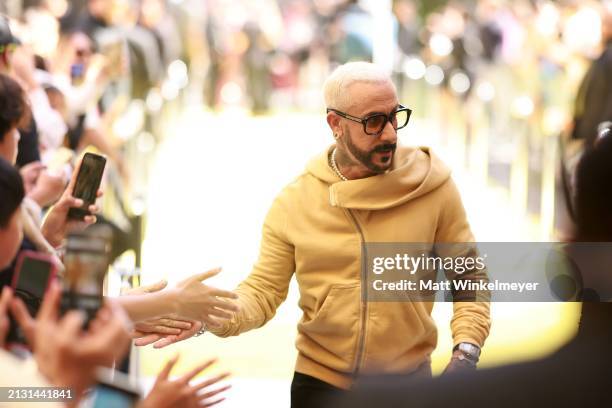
[33, 275]
[86, 261]
[87, 184]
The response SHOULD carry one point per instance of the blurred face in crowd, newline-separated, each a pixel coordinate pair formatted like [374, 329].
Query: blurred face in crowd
[102, 9]
[375, 153]
[14, 112]
[151, 12]
[8, 145]
[606, 22]
[10, 239]
[405, 11]
[82, 48]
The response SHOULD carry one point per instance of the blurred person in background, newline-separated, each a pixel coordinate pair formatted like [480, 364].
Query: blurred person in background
[28, 144]
[407, 37]
[20, 65]
[95, 17]
[154, 15]
[81, 75]
[44, 127]
[256, 63]
[594, 100]
[212, 38]
[355, 28]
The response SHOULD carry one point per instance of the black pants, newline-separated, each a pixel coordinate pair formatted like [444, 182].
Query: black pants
[310, 392]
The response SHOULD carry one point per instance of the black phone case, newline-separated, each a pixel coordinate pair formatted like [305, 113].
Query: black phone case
[80, 213]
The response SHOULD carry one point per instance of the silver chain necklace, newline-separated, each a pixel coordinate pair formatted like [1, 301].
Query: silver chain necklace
[335, 166]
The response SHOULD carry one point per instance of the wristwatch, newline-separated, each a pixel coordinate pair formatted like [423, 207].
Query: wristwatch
[470, 352]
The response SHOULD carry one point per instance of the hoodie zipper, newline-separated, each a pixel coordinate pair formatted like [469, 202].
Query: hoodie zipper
[363, 300]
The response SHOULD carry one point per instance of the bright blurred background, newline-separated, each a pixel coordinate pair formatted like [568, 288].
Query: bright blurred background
[222, 106]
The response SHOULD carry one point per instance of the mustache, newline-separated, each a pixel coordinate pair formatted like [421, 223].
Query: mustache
[385, 147]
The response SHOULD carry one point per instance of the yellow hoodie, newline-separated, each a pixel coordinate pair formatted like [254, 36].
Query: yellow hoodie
[315, 229]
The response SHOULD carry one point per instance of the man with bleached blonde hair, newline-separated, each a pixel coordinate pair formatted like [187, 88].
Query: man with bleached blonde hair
[363, 188]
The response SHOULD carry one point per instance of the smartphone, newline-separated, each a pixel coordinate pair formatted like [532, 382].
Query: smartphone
[87, 184]
[86, 262]
[114, 389]
[34, 272]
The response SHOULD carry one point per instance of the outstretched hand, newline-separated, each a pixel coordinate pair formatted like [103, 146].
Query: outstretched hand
[180, 393]
[158, 327]
[160, 340]
[198, 301]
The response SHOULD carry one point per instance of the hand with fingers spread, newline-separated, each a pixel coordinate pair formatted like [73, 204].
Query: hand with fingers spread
[180, 393]
[157, 327]
[65, 354]
[56, 224]
[197, 301]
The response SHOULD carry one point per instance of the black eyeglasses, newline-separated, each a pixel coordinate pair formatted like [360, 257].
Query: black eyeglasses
[375, 124]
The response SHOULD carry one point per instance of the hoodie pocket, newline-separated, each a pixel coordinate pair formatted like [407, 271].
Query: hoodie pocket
[330, 337]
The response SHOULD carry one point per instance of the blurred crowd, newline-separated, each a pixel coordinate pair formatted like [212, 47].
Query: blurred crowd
[277, 53]
[84, 77]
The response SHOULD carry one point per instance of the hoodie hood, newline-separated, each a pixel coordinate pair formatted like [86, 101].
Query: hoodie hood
[415, 172]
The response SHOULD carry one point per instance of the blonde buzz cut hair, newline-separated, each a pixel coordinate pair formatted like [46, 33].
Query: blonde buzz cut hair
[336, 86]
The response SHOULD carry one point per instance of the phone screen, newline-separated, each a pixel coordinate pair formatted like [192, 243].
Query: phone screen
[86, 262]
[30, 282]
[34, 276]
[105, 395]
[113, 389]
[87, 183]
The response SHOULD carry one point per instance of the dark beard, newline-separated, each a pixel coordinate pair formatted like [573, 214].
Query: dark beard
[365, 157]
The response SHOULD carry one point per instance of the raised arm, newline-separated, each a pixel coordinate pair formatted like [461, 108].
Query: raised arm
[190, 299]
